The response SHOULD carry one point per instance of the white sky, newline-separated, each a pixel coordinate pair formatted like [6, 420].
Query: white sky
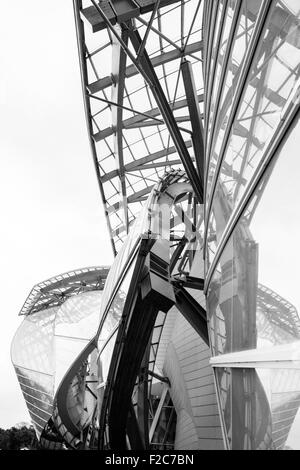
[51, 215]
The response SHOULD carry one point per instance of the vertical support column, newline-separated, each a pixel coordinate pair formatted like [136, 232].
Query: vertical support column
[117, 95]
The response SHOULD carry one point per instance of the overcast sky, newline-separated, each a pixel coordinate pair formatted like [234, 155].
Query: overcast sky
[51, 214]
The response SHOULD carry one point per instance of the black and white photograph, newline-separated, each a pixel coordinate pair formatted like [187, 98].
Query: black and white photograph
[150, 194]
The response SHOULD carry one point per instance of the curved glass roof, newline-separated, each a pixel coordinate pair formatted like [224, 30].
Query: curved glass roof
[133, 142]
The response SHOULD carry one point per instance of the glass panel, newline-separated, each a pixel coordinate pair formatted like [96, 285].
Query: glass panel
[35, 383]
[76, 323]
[67, 351]
[105, 359]
[39, 403]
[273, 75]
[220, 59]
[32, 346]
[245, 27]
[253, 299]
[214, 52]
[107, 332]
[46, 345]
[79, 315]
[115, 311]
[260, 408]
[38, 395]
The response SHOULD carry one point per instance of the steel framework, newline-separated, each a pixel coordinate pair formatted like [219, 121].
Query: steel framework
[141, 74]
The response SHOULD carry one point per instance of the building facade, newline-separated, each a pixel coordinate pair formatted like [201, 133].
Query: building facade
[191, 339]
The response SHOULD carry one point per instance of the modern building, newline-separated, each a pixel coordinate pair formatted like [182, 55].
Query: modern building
[191, 340]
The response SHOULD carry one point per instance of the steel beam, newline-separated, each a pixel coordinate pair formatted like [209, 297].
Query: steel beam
[149, 25]
[192, 282]
[163, 36]
[153, 122]
[191, 310]
[157, 165]
[126, 108]
[177, 253]
[158, 411]
[196, 121]
[151, 113]
[165, 109]
[142, 398]
[161, 59]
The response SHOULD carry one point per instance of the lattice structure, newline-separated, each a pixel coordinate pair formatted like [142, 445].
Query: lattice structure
[278, 319]
[142, 81]
[55, 291]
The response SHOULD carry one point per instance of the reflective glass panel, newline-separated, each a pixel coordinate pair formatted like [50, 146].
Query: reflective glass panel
[243, 33]
[274, 72]
[260, 408]
[115, 311]
[253, 299]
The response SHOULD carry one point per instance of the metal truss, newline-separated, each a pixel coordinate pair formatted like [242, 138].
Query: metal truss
[141, 69]
[55, 291]
[280, 319]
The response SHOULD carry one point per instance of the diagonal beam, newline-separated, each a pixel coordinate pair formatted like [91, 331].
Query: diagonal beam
[152, 113]
[194, 111]
[149, 25]
[158, 93]
[139, 164]
[161, 59]
[166, 38]
[158, 411]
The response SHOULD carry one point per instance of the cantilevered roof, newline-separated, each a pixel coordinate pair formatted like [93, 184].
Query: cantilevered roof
[141, 66]
[56, 290]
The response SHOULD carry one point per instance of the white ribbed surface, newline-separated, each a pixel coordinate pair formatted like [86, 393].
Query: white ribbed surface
[185, 362]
